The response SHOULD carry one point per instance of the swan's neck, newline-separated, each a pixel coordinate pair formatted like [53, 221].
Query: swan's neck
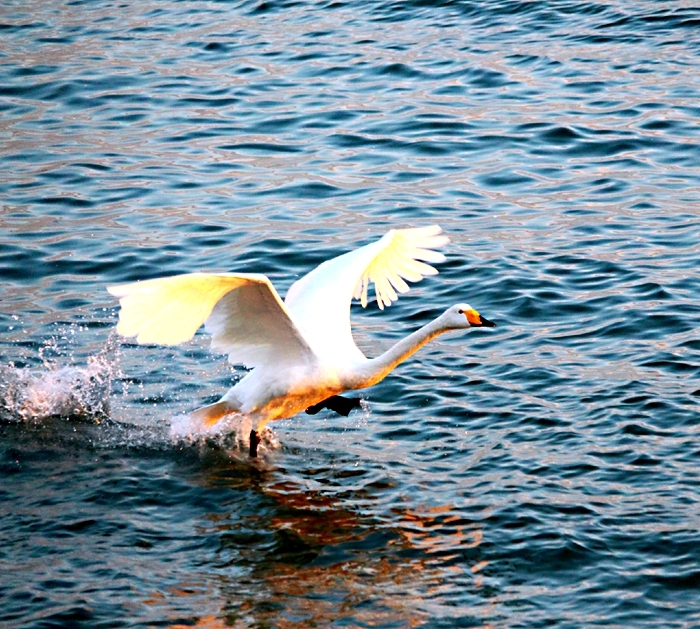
[377, 369]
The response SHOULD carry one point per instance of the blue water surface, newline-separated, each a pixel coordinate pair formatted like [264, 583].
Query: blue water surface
[541, 474]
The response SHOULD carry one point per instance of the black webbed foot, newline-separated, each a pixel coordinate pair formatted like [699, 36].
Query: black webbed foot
[254, 441]
[337, 403]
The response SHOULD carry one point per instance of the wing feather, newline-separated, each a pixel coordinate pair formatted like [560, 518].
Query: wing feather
[320, 301]
[397, 281]
[243, 312]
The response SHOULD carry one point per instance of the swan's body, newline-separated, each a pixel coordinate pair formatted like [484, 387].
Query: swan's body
[301, 351]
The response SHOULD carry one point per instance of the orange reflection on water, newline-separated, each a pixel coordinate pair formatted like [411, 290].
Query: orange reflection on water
[321, 563]
[206, 622]
[362, 592]
[437, 531]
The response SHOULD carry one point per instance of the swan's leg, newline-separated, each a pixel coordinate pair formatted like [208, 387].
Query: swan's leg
[254, 441]
[338, 403]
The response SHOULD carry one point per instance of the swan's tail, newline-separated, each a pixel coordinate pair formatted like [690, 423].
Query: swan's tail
[207, 416]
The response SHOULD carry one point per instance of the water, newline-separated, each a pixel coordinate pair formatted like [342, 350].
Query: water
[541, 474]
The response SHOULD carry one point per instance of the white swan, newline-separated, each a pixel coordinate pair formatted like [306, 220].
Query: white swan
[301, 350]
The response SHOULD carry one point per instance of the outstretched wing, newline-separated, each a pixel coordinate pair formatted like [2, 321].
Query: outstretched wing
[243, 312]
[320, 301]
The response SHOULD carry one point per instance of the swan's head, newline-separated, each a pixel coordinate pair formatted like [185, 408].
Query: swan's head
[464, 316]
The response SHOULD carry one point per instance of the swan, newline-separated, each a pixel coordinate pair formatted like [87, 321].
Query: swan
[301, 350]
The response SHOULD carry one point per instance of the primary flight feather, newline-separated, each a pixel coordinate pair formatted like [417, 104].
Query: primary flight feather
[301, 350]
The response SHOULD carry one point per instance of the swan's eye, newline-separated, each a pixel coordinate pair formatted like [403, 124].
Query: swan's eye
[461, 312]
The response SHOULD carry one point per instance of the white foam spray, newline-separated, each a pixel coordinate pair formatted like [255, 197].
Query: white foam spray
[59, 391]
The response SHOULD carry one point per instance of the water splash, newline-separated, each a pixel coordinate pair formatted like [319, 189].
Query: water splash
[97, 393]
[69, 391]
[232, 432]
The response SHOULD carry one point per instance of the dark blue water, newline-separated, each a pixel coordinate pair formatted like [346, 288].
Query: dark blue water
[542, 474]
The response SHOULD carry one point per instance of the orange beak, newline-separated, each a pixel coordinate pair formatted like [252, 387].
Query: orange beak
[477, 321]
